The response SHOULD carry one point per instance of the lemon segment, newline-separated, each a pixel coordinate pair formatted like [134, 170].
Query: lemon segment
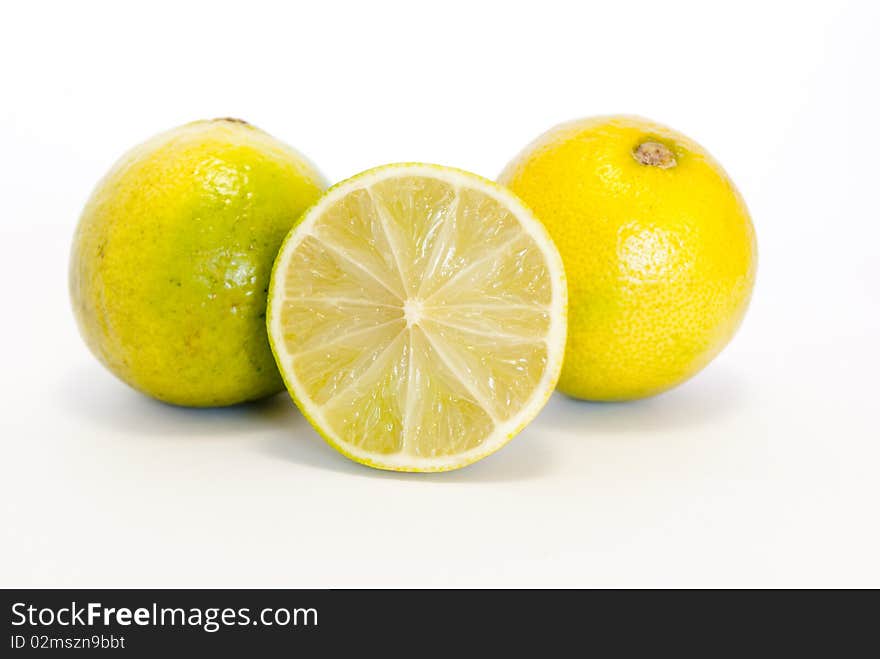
[417, 314]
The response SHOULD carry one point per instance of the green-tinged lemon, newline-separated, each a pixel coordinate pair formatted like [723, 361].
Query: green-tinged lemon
[172, 256]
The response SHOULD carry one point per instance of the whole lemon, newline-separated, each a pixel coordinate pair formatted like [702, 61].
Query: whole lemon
[172, 256]
[658, 247]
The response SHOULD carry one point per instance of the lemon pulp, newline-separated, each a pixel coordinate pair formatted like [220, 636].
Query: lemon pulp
[417, 315]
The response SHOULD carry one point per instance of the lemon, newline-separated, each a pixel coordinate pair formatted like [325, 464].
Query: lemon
[417, 314]
[172, 256]
[658, 246]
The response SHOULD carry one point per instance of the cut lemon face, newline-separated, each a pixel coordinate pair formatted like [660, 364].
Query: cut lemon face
[417, 315]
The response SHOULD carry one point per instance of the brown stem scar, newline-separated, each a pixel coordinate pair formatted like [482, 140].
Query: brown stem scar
[232, 120]
[655, 154]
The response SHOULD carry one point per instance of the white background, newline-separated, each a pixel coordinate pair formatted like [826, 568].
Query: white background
[762, 471]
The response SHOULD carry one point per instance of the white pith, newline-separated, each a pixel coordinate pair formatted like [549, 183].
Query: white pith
[414, 308]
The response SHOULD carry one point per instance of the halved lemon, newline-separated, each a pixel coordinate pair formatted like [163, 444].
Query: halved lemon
[417, 314]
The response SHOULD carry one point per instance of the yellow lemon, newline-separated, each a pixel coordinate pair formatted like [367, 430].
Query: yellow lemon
[172, 257]
[658, 248]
